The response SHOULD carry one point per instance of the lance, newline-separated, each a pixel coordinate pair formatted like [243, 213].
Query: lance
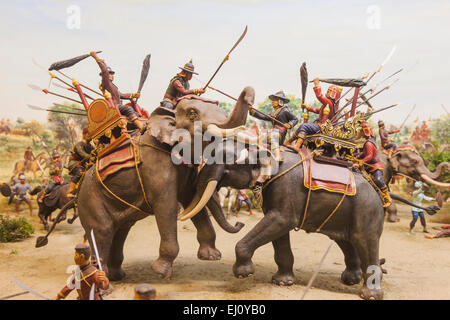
[404, 121]
[55, 111]
[369, 114]
[70, 88]
[14, 295]
[366, 100]
[70, 107]
[371, 76]
[231, 97]
[226, 57]
[94, 244]
[34, 87]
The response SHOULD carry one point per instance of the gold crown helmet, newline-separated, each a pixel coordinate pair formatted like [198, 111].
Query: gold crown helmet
[334, 92]
[367, 130]
[189, 67]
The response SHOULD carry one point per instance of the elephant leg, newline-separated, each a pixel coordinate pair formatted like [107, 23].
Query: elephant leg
[367, 249]
[166, 218]
[116, 253]
[270, 228]
[285, 261]
[392, 213]
[206, 237]
[352, 273]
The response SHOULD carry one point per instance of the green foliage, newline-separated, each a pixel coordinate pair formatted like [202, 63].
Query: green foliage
[440, 129]
[14, 229]
[433, 159]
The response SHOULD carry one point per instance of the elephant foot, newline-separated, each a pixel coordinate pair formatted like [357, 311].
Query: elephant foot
[283, 279]
[116, 274]
[209, 253]
[351, 277]
[243, 270]
[393, 218]
[163, 268]
[371, 294]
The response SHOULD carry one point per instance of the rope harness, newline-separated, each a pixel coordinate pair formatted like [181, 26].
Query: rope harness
[137, 155]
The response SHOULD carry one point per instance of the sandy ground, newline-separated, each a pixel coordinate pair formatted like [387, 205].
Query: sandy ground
[418, 268]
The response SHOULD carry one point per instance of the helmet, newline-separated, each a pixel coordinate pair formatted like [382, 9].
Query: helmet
[334, 92]
[367, 130]
[280, 96]
[110, 71]
[380, 123]
[189, 67]
[418, 184]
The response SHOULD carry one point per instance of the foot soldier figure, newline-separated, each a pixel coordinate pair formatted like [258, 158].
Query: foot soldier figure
[243, 197]
[28, 156]
[55, 173]
[418, 197]
[179, 86]
[107, 85]
[79, 161]
[144, 291]
[281, 113]
[368, 159]
[21, 190]
[87, 279]
[384, 136]
[326, 111]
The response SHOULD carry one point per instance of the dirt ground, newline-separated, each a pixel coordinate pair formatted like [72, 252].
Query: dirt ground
[418, 268]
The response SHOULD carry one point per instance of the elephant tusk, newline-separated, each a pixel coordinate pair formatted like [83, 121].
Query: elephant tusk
[432, 181]
[216, 131]
[207, 194]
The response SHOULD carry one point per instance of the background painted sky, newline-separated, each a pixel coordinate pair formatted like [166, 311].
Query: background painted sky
[333, 37]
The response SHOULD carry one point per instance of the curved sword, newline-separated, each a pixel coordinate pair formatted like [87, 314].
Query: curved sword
[20, 284]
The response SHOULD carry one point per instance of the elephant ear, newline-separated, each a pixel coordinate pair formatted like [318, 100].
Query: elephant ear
[161, 127]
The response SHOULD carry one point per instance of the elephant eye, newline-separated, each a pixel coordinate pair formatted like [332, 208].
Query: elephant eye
[192, 114]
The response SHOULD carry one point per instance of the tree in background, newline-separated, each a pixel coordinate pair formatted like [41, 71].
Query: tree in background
[66, 128]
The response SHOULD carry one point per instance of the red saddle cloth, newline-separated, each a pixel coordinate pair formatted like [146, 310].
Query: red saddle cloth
[123, 157]
[326, 176]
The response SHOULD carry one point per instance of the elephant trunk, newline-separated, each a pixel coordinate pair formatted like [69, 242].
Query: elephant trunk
[217, 213]
[239, 115]
[428, 179]
[437, 173]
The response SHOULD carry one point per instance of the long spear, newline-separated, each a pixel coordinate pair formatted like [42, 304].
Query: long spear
[404, 121]
[226, 57]
[56, 111]
[34, 87]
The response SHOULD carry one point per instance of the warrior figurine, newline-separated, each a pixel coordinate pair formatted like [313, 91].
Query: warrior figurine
[28, 156]
[21, 190]
[418, 197]
[144, 291]
[78, 161]
[107, 84]
[55, 173]
[87, 279]
[179, 86]
[368, 159]
[282, 114]
[384, 136]
[326, 111]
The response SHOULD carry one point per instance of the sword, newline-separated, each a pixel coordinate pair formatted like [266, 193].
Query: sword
[20, 284]
[94, 244]
[226, 57]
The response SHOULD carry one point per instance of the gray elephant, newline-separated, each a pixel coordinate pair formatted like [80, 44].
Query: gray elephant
[164, 184]
[356, 226]
[406, 161]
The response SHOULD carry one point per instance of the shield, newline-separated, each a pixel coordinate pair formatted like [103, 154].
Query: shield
[5, 190]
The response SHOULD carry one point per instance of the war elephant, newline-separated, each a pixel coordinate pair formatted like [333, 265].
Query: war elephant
[163, 182]
[356, 226]
[406, 161]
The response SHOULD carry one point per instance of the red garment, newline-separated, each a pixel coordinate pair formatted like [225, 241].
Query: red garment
[57, 179]
[325, 101]
[369, 156]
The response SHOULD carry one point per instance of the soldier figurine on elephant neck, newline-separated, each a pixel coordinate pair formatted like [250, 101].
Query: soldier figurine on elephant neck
[384, 136]
[179, 86]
